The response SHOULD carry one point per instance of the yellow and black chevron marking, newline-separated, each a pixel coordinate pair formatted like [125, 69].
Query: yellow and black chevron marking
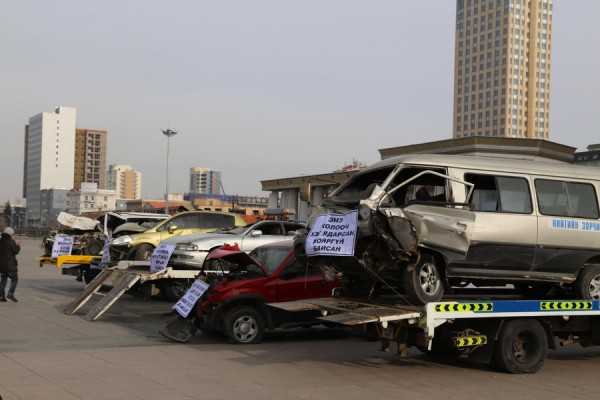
[464, 307]
[565, 305]
[469, 341]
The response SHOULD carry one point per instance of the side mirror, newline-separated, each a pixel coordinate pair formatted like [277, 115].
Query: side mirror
[256, 233]
[172, 228]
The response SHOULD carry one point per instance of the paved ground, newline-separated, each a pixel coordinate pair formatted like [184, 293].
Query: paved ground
[47, 355]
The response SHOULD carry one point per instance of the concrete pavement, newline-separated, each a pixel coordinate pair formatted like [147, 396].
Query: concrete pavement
[47, 355]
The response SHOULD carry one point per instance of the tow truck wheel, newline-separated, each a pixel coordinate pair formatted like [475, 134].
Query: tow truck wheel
[587, 285]
[173, 290]
[424, 283]
[244, 325]
[521, 347]
[143, 252]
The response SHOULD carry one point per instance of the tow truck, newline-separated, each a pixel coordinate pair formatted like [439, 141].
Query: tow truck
[511, 335]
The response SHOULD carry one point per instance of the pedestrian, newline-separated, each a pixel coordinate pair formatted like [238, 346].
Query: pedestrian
[8, 263]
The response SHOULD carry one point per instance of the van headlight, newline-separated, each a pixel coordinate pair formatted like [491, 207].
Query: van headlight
[364, 212]
[121, 241]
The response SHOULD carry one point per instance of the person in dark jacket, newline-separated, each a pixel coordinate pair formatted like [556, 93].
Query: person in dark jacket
[8, 264]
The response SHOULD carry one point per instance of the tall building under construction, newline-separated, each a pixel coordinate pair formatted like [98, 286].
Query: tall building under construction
[502, 68]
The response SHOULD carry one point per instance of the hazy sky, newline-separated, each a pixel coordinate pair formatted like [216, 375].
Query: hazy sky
[259, 89]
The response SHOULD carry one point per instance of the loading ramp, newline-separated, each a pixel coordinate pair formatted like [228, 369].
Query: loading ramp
[123, 277]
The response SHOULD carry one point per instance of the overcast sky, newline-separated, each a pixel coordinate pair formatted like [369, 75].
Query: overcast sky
[259, 89]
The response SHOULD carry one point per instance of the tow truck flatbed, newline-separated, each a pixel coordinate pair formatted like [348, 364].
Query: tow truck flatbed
[513, 335]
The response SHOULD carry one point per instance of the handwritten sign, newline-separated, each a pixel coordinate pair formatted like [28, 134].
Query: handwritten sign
[186, 304]
[63, 245]
[333, 235]
[160, 257]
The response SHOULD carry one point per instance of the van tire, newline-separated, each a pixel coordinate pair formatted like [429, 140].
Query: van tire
[244, 325]
[424, 283]
[143, 252]
[521, 347]
[587, 285]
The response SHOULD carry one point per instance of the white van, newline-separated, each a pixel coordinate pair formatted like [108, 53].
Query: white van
[430, 222]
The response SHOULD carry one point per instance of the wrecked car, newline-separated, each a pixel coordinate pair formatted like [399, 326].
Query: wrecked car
[141, 245]
[191, 251]
[427, 223]
[86, 232]
[241, 286]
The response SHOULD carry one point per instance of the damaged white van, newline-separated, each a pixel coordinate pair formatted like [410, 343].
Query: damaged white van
[431, 222]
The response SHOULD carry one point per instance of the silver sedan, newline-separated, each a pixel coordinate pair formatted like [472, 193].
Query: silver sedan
[191, 251]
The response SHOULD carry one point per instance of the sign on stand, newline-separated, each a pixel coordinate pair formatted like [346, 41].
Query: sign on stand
[186, 304]
[333, 235]
[105, 261]
[160, 257]
[63, 245]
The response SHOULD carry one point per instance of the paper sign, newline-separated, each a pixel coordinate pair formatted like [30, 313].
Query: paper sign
[160, 257]
[63, 245]
[105, 261]
[333, 235]
[186, 304]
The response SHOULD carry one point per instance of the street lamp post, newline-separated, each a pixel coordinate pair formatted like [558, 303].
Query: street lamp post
[168, 133]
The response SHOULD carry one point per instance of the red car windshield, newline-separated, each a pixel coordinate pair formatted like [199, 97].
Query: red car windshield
[270, 257]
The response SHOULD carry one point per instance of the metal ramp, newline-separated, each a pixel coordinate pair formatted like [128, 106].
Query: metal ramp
[124, 276]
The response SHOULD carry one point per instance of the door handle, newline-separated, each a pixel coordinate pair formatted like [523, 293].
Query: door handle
[460, 228]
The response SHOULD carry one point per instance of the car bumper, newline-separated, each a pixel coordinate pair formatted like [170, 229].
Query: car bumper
[188, 259]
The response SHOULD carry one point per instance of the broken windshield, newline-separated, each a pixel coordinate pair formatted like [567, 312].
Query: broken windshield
[361, 185]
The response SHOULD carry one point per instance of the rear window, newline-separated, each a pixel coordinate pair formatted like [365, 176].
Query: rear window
[566, 199]
[218, 221]
[270, 257]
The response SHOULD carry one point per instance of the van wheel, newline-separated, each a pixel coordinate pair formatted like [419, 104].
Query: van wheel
[521, 347]
[424, 283]
[143, 252]
[244, 325]
[587, 285]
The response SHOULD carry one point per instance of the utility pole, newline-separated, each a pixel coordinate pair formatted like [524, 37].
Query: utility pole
[168, 133]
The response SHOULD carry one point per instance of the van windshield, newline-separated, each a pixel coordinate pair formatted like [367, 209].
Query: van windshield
[361, 185]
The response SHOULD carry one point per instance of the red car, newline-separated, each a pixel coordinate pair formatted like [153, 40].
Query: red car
[235, 303]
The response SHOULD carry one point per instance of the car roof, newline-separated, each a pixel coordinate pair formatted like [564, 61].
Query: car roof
[492, 163]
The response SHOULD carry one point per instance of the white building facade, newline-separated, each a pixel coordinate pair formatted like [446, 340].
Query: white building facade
[49, 157]
[91, 199]
[125, 181]
[205, 181]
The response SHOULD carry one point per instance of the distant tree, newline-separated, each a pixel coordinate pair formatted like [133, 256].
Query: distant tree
[7, 214]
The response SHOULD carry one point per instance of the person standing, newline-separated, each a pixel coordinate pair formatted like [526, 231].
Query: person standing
[8, 264]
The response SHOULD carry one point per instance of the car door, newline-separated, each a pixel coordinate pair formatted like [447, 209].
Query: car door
[296, 281]
[262, 233]
[568, 225]
[180, 222]
[503, 236]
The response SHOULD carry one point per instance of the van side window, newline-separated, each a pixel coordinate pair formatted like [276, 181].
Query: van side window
[500, 194]
[566, 199]
[427, 188]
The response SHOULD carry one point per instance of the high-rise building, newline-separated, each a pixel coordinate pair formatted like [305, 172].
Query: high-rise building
[125, 181]
[502, 68]
[50, 156]
[90, 157]
[205, 181]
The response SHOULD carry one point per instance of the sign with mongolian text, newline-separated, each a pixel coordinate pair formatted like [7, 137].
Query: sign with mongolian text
[186, 304]
[105, 261]
[63, 245]
[160, 257]
[333, 235]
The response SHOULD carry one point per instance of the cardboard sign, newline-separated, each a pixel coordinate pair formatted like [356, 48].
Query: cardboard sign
[160, 257]
[186, 304]
[63, 245]
[105, 261]
[333, 235]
